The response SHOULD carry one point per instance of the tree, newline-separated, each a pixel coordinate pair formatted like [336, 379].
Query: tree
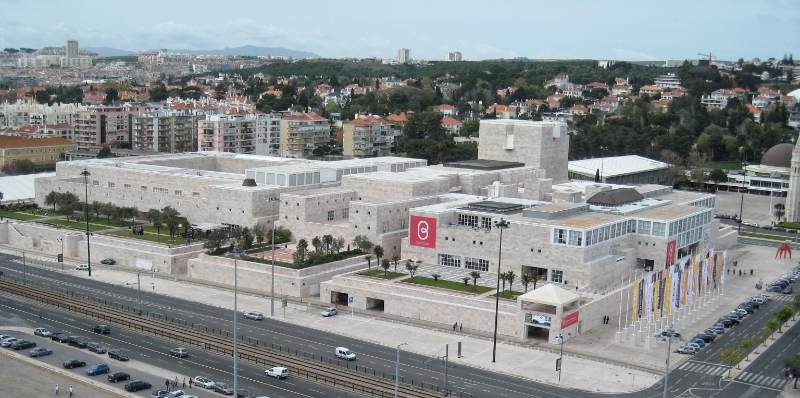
[795, 304]
[108, 210]
[327, 241]
[783, 315]
[718, 176]
[526, 279]
[258, 232]
[50, 199]
[220, 91]
[317, 243]
[215, 239]
[8, 168]
[338, 244]
[171, 218]
[793, 365]
[780, 211]
[745, 345]
[597, 176]
[104, 152]
[111, 96]
[395, 260]
[369, 263]
[731, 356]
[412, 268]
[155, 218]
[67, 209]
[42, 96]
[385, 264]
[436, 277]
[378, 250]
[771, 327]
[247, 238]
[510, 275]
[362, 243]
[475, 275]
[300, 252]
[23, 166]
[537, 278]
[503, 277]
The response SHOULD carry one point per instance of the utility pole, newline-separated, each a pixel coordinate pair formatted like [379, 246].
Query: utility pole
[24, 274]
[272, 289]
[446, 357]
[670, 333]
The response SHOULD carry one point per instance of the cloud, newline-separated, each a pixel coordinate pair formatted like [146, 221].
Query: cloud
[630, 55]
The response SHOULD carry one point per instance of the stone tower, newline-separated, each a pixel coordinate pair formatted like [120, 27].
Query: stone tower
[793, 198]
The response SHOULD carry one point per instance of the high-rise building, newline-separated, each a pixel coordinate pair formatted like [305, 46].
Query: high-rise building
[454, 56]
[72, 49]
[403, 55]
[367, 136]
[301, 134]
[102, 124]
[166, 131]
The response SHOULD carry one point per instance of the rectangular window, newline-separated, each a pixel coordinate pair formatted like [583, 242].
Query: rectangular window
[486, 222]
[402, 224]
[95, 182]
[127, 186]
[644, 227]
[346, 213]
[575, 238]
[450, 260]
[144, 188]
[468, 220]
[594, 236]
[476, 264]
[331, 215]
[195, 194]
[556, 276]
[560, 236]
[111, 185]
[659, 228]
[160, 190]
[178, 192]
[385, 226]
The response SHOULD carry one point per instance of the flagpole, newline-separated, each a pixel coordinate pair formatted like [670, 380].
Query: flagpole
[619, 327]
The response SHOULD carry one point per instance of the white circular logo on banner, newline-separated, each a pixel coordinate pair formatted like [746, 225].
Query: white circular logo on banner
[422, 230]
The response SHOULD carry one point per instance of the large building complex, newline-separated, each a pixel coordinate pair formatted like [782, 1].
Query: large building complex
[403, 55]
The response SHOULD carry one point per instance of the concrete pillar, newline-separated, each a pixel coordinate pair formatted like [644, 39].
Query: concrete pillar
[648, 343]
[625, 334]
[632, 340]
[618, 337]
[640, 335]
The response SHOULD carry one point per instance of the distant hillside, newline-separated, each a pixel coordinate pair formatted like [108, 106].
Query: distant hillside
[252, 51]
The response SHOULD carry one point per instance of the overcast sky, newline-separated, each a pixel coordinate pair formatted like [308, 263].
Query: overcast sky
[622, 30]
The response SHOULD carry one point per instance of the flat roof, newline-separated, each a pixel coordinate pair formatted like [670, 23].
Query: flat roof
[615, 165]
[483, 164]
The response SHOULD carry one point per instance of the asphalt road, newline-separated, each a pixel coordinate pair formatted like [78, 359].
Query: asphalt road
[698, 376]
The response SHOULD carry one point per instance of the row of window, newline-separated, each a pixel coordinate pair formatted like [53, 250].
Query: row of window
[707, 202]
[690, 222]
[332, 214]
[607, 232]
[143, 188]
[451, 260]
[472, 221]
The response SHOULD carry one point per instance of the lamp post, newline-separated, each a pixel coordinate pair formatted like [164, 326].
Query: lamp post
[741, 205]
[602, 161]
[61, 240]
[502, 224]
[670, 333]
[272, 290]
[138, 293]
[560, 340]
[397, 369]
[235, 256]
[86, 175]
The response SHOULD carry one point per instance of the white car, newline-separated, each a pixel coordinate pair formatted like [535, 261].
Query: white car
[254, 315]
[330, 311]
[82, 267]
[41, 332]
[764, 296]
[203, 381]
[740, 312]
[7, 342]
[277, 372]
[344, 353]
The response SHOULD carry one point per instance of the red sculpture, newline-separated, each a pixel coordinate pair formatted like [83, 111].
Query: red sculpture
[783, 251]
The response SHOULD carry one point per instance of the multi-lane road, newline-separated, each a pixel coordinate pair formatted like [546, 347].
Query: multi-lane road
[700, 376]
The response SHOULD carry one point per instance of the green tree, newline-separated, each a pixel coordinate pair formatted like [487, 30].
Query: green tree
[23, 166]
[731, 356]
[327, 241]
[111, 96]
[793, 365]
[795, 304]
[510, 275]
[317, 243]
[395, 260]
[475, 276]
[378, 250]
[780, 211]
[771, 327]
[104, 152]
[783, 315]
[158, 92]
[385, 264]
[171, 218]
[369, 263]
[718, 176]
[526, 279]
[66, 209]
[41, 96]
[301, 250]
[503, 278]
[214, 240]
[50, 199]
[155, 218]
[412, 268]
[746, 345]
[220, 90]
[258, 232]
[537, 278]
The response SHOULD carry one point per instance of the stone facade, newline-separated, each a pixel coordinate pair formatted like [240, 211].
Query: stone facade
[542, 145]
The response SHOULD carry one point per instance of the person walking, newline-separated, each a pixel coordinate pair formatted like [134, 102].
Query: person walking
[184, 382]
[461, 328]
[56, 389]
[70, 391]
[166, 383]
[751, 271]
[455, 325]
[190, 382]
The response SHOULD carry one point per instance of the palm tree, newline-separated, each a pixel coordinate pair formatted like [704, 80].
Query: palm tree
[526, 279]
[300, 252]
[475, 275]
[385, 265]
[378, 250]
[317, 243]
[510, 275]
[395, 260]
[327, 240]
[536, 278]
[369, 263]
[503, 277]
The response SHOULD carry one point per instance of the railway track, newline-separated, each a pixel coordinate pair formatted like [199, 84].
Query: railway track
[315, 368]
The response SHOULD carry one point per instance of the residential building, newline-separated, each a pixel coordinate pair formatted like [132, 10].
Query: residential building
[233, 133]
[102, 124]
[502, 111]
[573, 92]
[40, 151]
[403, 55]
[447, 110]
[32, 113]
[166, 131]
[453, 56]
[367, 136]
[301, 134]
[668, 81]
[650, 90]
[451, 125]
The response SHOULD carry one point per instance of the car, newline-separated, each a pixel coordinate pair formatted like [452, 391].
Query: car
[775, 288]
[344, 353]
[788, 290]
[118, 376]
[767, 227]
[176, 394]
[686, 350]
[82, 267]
[755, 225]
[136, 385]
[718, 330]
[223, 388]
[240, 393]
[96, 347]
[73, 363]
[277, 372]
[779, 229]
[158, 393]
[748, 307]
[739, 311]
[725, 322]
[705, 337]
[710, 331]
[7, 342]
[254, 315]
[108, 261]
[757, 300]
[203, 381]
[764, 296]
[22, 344]
[59, 337]
[693, 345]
[77, 341]
[4, 336]
[118, 354]
[791, 231]
[698, 341]
[747, 223]
[97, 369]
[37, 352]
[179, 352]
[733, 318]
[330, 311]
[102, 329]
[41, 332]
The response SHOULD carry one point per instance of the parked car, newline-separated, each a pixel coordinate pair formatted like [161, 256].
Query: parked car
[718, 330]
[108, 261]
[748, 307]
[22, 344]
[136, 385]
[767, 227]
[59, 337]
[725, 322]
[791, 231]
[764, 296]
[240, 393]
[179, 352]
[693, 345]
[37, 352]
[686, 350]
[77, 341]
[698, 341]
[74, 363]
[102, 329]
[41, 332]
[96, 347]
[330, 311]
[254, 315]
[775, 288]
[7, 342]
[118, 354]
[779, 229]
[203, 381]
[175, 394]
[97, 369]
[277, 372]
[739, 312]
[118, 376]
[344, 353]
[705, 337]
[158, 393]
[223, 388]
[787, 290]
[82, 267]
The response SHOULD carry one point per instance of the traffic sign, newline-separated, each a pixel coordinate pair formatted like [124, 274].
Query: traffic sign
[350, 300]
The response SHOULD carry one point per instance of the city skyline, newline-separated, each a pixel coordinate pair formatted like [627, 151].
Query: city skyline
[621, 30]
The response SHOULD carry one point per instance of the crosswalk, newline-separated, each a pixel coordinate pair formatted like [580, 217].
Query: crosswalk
[783, 297]
[762, 380]
[700, 367]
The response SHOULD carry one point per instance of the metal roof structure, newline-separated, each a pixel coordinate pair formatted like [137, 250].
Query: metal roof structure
[20, 188]
[615, 165]
[615, 197]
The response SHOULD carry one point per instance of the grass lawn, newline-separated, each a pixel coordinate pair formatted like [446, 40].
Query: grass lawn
[765, 236]
[165, 239]
[421, 280]
[724, 165]
[509, 294]
[76, 225]
[790, 225]
[18, 216]
[113, 222]
[378, 273]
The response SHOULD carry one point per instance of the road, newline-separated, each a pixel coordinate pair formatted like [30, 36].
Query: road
[698, 376]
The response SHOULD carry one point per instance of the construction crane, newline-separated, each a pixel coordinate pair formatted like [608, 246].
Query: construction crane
[709, 56]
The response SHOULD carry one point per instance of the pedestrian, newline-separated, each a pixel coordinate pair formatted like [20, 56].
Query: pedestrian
[729, 272]
[190, 382]
[184, 382]
[166, 383]
[461, 328]
[176, 381]
[56, 389]
[454, 326]
[751, 271]
[70, 391]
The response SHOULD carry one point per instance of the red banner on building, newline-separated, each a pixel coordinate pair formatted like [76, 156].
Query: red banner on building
[569, 320]
[423, 232]
[671, 249]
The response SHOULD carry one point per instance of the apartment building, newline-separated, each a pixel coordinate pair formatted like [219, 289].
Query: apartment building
[101, 124]
[228, 133]
[166, 131]
[31, 113]
[37, 150]
[367, 136]
[301, 134]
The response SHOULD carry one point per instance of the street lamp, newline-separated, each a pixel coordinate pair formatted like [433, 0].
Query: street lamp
[272, 290]
[61, 259]
[502, 224]
[236, 254]
[138, 293]
[670, 333]
[741, 205]
[86, 175]
[560, 340]
[397, 369]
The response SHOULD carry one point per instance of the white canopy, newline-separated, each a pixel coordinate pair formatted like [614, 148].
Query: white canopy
[550, 295]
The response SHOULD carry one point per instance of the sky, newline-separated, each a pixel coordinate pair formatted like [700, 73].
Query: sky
[620, 30]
